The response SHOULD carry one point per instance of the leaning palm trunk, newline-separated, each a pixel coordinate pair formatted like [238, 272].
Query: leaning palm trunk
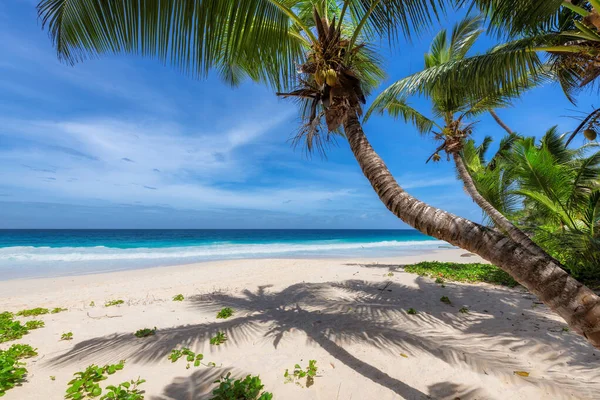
[500, 220]
[574, 302]
[500, 122]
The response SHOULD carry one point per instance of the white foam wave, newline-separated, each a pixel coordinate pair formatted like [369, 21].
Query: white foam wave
[215, 251]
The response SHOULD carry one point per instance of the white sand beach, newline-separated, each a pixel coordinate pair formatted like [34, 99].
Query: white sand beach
[291, 311]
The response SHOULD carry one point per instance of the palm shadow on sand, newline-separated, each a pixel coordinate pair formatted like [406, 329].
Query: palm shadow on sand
[336, 314]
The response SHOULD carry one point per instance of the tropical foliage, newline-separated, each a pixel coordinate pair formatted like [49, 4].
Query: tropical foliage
[550, 191]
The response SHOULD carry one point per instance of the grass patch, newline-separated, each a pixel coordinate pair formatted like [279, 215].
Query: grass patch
[12, 370]
[113, 303]
[34, 312]
[178, 297]
[145, 332]
[462, 272]
[225, 313]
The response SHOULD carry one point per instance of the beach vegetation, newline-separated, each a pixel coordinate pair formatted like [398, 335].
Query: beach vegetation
[225, 313]
[190, 356]
[57, 310]
[111, 303]
[12, 369]
[35, 324]
[464, 310]
[470, 273]
[218, 339]
[52, 377]
[86, 383]
[298, 373]
[249, 388]
[141, 333]
[411, 311]
[550, 191]
[445, 300]
[320, 55]
[127, 390]
[67, 336]
[11, 329]
[92, 304]
[178, 297]
[34, 312]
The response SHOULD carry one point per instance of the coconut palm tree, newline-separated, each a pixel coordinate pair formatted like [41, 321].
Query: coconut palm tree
[452, 112]
[548, 190]
[263, 40]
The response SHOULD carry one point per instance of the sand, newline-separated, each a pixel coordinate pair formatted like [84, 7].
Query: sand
[291, 311]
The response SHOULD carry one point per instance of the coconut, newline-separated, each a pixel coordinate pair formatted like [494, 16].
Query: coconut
[590, 134]
[320, 77]
[331, 77]
[436, 157]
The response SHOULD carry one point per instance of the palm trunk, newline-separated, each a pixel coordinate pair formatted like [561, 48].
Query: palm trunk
[500, 220]
[500, 122]
[574, 302]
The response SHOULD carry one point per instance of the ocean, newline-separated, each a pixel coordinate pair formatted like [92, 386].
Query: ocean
[50, 253]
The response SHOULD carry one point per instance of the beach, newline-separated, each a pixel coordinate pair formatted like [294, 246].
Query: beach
[350, 315]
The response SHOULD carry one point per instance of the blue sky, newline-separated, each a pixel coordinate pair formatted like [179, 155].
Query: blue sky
[124, 142]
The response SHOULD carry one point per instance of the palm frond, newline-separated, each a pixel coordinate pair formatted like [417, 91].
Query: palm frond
[400, 109]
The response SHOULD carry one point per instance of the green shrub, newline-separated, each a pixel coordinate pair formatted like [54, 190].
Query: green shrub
[218, 339]
[411, 311]
[225, 313]
[125, 391]
[247, 389]
[12, 330]
[464, 310]
[67, 336]
[462, 272]
[111, 303]
[85, 384]
[178, 297]
[445, 300]
[299, 373]
[33, 312]
[145, 332]
[12, 370]
[57, 310]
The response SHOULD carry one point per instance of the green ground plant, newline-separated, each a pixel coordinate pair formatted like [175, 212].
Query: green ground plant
[86, 383]
[218, 339]
[125, 391]
[11, 329]
[298, 373]
[111, 303]
[464, 310]
[67, 336]
[12, 370]
[178, 297]
[92, 304]
[411, 311]
[445, 300]
[471, 273]
[225, 313]
[33, 312]
[190, 356]
[57, 310]
[249, 388]
[35, 324]
[141, 333]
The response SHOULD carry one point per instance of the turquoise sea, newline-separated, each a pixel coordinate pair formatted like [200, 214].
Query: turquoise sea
[49, 253]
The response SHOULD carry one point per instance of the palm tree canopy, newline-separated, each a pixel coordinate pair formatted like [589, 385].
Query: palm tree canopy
[259, 39]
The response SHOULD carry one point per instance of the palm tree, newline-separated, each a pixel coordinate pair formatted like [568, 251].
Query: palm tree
[262, 39]
[452, 129]
[550, 191]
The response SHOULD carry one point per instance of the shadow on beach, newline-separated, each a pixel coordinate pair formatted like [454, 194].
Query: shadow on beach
[501, 323]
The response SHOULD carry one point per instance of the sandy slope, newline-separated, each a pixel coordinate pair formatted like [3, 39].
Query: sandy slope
[290, 311]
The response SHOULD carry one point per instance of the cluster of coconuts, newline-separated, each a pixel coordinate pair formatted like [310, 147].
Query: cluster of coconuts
[590, 134]
[328, 76]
